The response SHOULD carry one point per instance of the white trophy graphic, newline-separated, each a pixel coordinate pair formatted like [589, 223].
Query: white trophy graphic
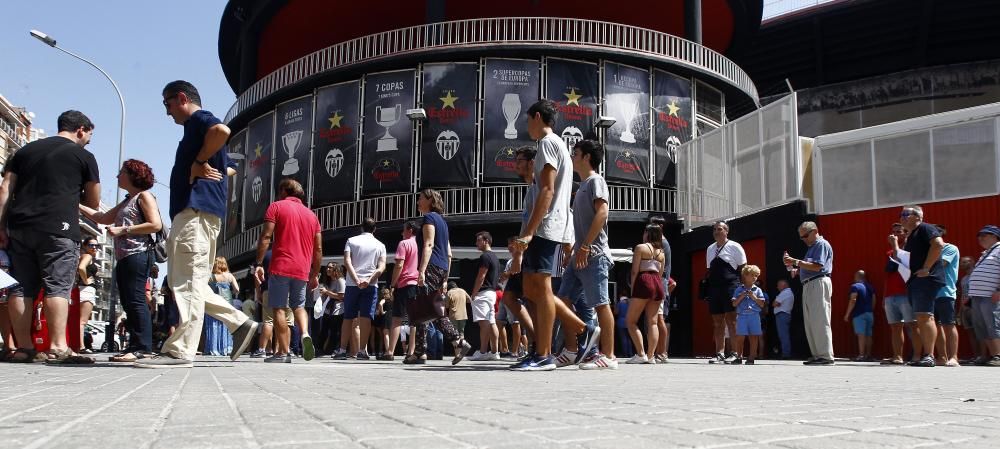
[511, 108]
[627, 108]
[334, 162]
[291, 142]
[387, 117]
[672, 143]
[572, 135]
[256, 188]
[447, 144]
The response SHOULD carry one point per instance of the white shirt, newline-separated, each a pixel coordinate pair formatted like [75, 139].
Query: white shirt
[732, 253]
[365, 251]
[787, 300]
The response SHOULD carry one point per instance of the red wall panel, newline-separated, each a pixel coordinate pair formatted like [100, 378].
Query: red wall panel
[859, 242]
[701, 327]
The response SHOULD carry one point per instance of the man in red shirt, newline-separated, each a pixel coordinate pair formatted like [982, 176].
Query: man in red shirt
[299, 240]
[898, 311]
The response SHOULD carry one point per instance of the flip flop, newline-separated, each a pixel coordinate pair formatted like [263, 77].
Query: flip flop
[30, 355]
[67, 357]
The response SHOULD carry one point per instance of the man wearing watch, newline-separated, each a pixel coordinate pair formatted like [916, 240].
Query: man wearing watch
[198, 200]
[814, 269]
[924, 245]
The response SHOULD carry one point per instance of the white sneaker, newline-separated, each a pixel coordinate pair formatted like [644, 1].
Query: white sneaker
[662, 358]
[651, 361]
[565, 358]
[637, 360]
[599, 362]
[492, 356]
[477, 356]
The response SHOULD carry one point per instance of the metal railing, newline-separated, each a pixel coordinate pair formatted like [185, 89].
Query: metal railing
[458, 202]
[577, 33]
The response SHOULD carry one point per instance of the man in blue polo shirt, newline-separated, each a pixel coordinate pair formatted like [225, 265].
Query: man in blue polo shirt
[198, 194]
[817, 290]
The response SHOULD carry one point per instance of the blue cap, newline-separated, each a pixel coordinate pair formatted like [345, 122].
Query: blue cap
[990, 229]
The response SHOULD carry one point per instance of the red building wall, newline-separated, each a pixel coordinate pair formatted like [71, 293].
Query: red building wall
[859, 242]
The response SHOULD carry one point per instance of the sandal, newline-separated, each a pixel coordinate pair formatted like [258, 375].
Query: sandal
[29, 356]
[125, 357]
[67, 357]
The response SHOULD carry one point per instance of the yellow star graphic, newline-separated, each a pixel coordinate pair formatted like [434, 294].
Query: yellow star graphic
[572, 97]
[385, 163]
[335, 120]
[510, 152]
[673, 108]
[258, 149]
[448, 101]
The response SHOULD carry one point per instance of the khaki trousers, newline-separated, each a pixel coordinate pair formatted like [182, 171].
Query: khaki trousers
[190, 255]
[816, 296]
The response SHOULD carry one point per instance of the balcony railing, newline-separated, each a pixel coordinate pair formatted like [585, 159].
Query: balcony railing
[473, 33]
[458, 202]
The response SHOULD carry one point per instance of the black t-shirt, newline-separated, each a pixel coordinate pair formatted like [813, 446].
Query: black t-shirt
[918, 245]
[489, 260]
[51, 173]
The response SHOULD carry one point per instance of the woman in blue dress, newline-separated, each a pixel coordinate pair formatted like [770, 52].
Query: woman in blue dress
[218, 340]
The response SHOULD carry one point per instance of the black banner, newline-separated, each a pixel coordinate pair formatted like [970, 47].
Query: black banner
[257, 184]
[672, 107]
[511, 87]
[573, 86]
[449, 135]
[293, 141]
[335, 156]
[626, 94]
[237, 150]
[388, 140]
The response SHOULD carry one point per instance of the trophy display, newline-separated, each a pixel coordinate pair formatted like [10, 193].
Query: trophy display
[291, 142]
[511, 109]
[387, 118]
[628, 111]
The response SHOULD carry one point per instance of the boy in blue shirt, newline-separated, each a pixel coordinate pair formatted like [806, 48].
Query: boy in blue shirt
[748, 299]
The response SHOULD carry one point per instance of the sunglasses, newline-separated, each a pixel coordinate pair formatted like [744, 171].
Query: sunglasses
[92, 245]
[907, 213]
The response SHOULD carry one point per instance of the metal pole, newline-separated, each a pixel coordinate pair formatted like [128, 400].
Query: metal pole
[110, 329]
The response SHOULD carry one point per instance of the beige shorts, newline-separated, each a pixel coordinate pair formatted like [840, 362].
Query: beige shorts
[267, 314]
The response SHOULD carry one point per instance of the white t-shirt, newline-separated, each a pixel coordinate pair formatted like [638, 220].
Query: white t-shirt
[732, 253]
[555, 225]
[365, 251]
[787, 300]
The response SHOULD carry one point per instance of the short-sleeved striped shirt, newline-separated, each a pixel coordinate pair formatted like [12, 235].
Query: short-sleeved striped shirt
[985, 277]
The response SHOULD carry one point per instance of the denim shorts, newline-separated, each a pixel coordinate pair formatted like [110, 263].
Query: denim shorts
[505, 315]
[748, 324]
[944, 311]
[540, 257]
[863, 324]
[359, 303]
[898, 310]
[285, 292]
[589, 285]
[922, 295]
[986, 317]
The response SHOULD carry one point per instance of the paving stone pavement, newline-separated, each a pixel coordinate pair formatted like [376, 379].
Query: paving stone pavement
[351, 404]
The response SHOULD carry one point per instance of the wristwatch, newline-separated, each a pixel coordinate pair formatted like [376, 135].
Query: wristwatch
[201, 162]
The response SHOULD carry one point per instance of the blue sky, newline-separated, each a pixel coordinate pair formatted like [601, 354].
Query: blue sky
[141, 44]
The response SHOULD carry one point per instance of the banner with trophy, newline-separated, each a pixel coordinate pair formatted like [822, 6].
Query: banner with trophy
[293, 132]
[257, 183]
[510, 87]
[573, 86]
[449, 134]
[387, 146]
[672, 125]
[626, 98]
[237, 152]
[335, 139]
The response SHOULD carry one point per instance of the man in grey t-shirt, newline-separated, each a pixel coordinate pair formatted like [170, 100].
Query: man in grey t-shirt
[546, 227]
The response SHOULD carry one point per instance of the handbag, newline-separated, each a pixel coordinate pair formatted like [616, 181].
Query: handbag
[703, 284]
[427, 306]
[159, 239]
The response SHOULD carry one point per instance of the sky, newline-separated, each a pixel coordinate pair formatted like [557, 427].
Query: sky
[142, 45]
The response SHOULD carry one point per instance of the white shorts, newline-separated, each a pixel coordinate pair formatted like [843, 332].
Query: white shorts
[484, 306]
[88, 294]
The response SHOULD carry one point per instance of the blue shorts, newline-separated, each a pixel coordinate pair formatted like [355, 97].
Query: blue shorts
[540, 257]
[587, 286]
[922, 294]
[944, 311]
[863, 324]
[898, 310]
[360, 303]
[748, 325]
[985, 317]
[285, 292]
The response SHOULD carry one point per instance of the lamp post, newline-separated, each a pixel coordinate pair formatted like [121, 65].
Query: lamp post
[51, 42]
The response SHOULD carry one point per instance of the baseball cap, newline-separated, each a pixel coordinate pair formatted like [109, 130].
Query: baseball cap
[990, 229]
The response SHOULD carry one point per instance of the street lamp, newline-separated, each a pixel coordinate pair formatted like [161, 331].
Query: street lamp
[51, 42]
